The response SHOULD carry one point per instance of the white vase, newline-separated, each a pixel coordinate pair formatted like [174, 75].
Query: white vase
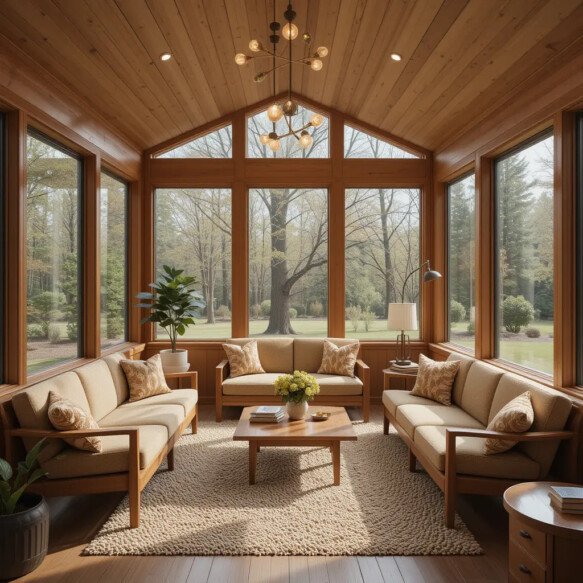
[297, 411]
[174, 361]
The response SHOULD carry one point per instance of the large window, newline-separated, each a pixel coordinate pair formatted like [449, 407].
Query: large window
[359, 144]
[259, 125]
[382, 248]
[215, 144]
[114, 194]
[193, 233]
[524, 243]
[461, 261]
[288, 260]
[53, 251]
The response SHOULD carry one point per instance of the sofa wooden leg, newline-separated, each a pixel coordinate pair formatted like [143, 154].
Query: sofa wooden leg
[412, 461]
[218, 412]
[194, 422]
[366, 411]
[135, 496]
[170, 460]
[450, 501]
[386, 425]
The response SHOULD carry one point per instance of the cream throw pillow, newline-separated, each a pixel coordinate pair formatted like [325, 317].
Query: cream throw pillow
[339, 360]
[435, 379]
[65, 415]
[145, 378]
[517, 416]
[243, 359]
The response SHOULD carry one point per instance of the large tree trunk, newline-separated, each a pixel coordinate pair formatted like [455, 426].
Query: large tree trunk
[388, 263]
[225, 272]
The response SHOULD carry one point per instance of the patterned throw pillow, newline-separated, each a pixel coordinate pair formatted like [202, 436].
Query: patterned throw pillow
[243, 359]
[339, 360]
[65, 415]
[435, 379]
[145, 378]
[517, 416]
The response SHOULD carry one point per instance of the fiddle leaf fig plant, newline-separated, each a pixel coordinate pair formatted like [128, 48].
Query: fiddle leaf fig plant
[12, 486]
[173, 303]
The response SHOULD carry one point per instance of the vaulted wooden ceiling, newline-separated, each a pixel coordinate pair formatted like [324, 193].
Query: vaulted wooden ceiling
[461, 58]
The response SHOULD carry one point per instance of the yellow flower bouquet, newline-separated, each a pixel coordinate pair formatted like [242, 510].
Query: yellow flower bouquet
[297, 387]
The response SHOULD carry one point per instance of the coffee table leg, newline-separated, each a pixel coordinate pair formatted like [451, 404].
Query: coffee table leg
[252, 461]
[336, 461]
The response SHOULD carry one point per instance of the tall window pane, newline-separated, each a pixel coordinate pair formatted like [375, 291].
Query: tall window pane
[461, 261]
[193, 232]
[53, 206]
[215, 144]
[382, 248]
[360, 144]
[259, 124]
[524, 226]
[113, 260]
[288, 261]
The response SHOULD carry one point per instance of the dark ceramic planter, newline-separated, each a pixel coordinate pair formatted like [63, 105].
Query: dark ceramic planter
[24, 538]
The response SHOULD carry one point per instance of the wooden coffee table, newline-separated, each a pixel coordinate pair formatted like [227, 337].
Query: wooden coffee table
[304, 433]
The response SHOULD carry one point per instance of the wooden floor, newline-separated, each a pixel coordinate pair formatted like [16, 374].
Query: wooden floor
[74, 521]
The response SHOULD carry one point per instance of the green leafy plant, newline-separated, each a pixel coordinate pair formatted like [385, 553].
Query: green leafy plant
[173, 303]
[516, 313]
[457, 312]
[296, 387]
[12, 486]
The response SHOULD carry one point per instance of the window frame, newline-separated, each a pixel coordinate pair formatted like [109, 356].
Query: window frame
[3, 236]
[579, 247]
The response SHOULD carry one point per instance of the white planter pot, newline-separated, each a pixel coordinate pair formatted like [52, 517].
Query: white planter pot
[297, 411]
[174, 361]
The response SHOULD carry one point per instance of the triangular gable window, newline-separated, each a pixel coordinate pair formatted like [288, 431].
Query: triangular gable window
[360, 144]
[215, 144]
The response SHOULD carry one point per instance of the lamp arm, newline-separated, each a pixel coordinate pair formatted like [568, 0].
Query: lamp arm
[408, 277]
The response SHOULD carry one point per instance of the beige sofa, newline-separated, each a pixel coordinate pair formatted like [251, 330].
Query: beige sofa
[136, 437]
[448, 440]
[284, 355]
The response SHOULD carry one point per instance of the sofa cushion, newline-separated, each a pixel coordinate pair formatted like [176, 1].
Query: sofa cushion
[186, 398]
[339, 360]
[275, 354]
[145, 377]
[73, 463]
[551, 411]
[243, 360]
[435, 379]
[308, 352]
[262, 384]
[479, 388]
[460, 378]
[99, 387]
[412, 416]
[470, 456]
[393, 399]
[31, 407]
[144, 412]
[120, 381]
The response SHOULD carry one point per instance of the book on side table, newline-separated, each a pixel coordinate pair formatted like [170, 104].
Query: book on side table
[567, 499]
[404, 368]
[267, 414]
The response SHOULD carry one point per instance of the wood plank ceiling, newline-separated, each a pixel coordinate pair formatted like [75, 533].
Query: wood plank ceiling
[461, 58]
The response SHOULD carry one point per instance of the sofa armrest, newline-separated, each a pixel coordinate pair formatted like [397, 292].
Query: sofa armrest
[222, 371]
[134, 352]
[54, 434]
[362, 371]
[191, 374]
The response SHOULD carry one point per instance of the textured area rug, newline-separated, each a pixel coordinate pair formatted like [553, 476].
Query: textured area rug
[207, 507]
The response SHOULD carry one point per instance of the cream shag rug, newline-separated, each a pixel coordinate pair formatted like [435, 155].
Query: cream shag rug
[207, 507]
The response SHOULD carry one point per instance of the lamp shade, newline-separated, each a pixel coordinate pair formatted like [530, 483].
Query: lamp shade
[402, 317]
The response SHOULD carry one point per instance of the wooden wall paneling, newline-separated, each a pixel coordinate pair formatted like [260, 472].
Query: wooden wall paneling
[427, 251]
[439, 288]
[564, 250]
[184, 172]
[134, 255]
[15, 259]
[90, 253]
[147, 251]
[485, 261]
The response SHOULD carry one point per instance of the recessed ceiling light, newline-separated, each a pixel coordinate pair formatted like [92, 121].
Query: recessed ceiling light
[396, 56]
[165, 56]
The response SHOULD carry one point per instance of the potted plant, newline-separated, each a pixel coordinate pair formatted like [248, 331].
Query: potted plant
[24, 517]
[173, 304]
[295, 391]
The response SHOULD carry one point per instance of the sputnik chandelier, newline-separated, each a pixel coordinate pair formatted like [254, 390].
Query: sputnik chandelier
[289, 107]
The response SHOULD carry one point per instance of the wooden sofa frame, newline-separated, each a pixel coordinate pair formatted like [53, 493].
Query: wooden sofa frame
[361, 370]
[132, 481]
[450, 482]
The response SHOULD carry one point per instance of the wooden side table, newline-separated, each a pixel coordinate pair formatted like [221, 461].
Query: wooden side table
[544, 544]
[407, 378]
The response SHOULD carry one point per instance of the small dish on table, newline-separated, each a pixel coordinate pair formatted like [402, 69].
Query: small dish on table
[320, 416]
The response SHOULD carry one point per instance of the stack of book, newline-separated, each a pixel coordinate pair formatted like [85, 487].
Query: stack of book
[267, 414]
[567, 499]
[405, 368]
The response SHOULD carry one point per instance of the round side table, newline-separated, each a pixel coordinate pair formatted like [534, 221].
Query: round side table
[544, 544]
[407, 377]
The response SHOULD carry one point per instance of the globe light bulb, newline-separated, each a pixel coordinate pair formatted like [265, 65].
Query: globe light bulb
[396, 56]
[317, 120]
[274, 112]
[290, 31]
[241, 59]
[274, 145]
[255, 45]
[305, 140]
[321, 52]
[316, 64]
[264, 139]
